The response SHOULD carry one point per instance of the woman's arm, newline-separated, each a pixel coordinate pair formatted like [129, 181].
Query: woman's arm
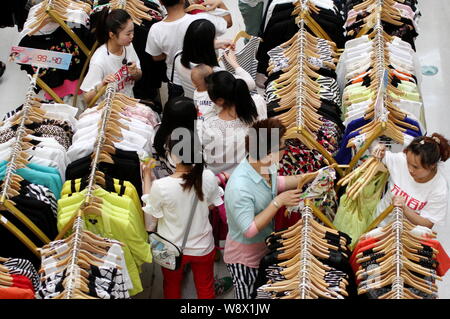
[412, 216]
[88, 96]
[148, 177]
[288, 198]
[230, 56]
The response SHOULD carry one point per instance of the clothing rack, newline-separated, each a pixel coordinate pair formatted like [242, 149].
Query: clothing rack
[300, 129]
[381, 112]
[78, 225]
[397, 227]
[51, 12]
[11, 178]
[305, 256]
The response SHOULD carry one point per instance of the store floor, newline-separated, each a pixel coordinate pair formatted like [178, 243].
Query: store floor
[433, 48]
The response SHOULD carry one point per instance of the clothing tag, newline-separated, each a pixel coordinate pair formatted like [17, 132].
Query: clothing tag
[4, 220]
[380, 110]
[40, 58]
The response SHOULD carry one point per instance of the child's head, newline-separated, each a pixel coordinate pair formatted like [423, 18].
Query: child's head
[198, 75]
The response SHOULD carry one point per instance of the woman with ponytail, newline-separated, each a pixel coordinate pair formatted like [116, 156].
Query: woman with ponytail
[223, 135]
[168, 200]
[417, 183]
[115, 59]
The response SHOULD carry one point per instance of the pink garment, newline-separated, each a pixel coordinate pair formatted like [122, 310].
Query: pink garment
[249, 255]
[67, 88]
[406, 10]
[142, 113]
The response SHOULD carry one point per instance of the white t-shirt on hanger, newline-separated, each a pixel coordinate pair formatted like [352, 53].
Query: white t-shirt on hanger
[104, 63]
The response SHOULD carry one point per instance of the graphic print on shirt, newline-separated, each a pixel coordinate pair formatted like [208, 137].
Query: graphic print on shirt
[410, 201]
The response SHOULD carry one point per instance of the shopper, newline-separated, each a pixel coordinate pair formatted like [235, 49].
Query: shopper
[165, 38]
[169, 199]
[115, 60]
[251, 202]
[252, 12]
[199, 47]
[223, 135]
[417, 183]
[178, 112]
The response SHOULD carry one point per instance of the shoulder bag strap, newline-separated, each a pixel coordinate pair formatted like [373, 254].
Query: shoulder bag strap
[173, 65]
[188, 228]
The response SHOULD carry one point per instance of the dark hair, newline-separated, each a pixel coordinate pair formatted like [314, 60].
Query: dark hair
[259, 141]
[429, 149]
[110, 22]
[195, 159]
[198, 44]
[235, 92]
[177, 112]
[171, 3]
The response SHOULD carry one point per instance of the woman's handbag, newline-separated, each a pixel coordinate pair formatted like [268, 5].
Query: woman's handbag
[166, 253]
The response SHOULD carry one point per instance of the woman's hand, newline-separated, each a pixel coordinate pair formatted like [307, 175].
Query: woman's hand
[224, 44]
[108, 79]
[133, 70]
[147, 168]
[289, 198]
[211, 4]
[230, 56]
[379, 151]
[398, 201]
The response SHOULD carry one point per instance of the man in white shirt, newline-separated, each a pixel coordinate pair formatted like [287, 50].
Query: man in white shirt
[166, 37]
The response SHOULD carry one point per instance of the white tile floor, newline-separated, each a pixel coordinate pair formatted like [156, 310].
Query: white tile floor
[433, 47]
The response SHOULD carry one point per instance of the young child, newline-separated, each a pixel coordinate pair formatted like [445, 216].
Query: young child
[205, 107]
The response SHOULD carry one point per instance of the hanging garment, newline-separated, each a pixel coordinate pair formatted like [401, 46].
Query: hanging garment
[246, 57]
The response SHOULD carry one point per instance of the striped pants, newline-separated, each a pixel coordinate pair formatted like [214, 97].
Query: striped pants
[243, 279]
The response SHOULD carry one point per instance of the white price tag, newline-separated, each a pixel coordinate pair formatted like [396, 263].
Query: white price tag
[40, 58]
[3, 220]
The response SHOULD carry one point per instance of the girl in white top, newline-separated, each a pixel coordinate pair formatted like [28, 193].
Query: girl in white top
[223, 135]
[170, 198]
[416, 181]
[199, 47]
[115, 60]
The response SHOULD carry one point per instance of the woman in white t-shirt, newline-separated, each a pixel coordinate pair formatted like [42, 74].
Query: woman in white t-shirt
[223, 135]
[417, 183]
[170, 199]
[115, 60]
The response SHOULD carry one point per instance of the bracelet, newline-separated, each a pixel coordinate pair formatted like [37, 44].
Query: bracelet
[275, 203]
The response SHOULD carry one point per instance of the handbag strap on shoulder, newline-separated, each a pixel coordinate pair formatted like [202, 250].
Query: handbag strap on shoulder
[188, 228]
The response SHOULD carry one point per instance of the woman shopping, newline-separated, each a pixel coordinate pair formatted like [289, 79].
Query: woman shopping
[253, 196]
[417, 183]
[115, 59]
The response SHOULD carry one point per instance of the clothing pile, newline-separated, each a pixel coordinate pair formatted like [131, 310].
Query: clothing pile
[18, 279]
[101, 271]
[327, 266]
[423, 262]
[45, 149]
